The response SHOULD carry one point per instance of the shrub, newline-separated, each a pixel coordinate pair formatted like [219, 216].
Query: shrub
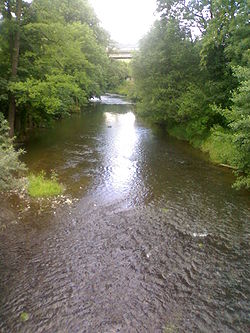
[11, 168]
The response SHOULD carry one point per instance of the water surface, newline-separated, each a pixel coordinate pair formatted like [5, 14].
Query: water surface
[149, 236]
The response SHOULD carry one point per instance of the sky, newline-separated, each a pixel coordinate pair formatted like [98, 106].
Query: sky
[127, 21]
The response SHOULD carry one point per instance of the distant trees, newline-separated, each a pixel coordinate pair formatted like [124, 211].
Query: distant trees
[198, 88]
[118, 72]
[52, 60]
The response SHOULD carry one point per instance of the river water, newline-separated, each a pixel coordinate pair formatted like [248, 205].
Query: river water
[149, 236]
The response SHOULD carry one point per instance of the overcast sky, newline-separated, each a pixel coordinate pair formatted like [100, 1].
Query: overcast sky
[126, 20]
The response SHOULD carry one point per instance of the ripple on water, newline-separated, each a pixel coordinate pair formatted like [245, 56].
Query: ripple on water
[158, 238]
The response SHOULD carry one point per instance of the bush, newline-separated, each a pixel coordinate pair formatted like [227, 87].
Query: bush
[128, 89]
[11, 168]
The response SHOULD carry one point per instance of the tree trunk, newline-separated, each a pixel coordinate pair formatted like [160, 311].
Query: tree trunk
[211, 10]
[12, 115]
[14, 66]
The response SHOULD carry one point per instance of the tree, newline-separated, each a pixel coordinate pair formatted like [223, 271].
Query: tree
[199, 88]
[190, 13]
[59, 60]
[163, 69]
[240, 125]
[118, 72]
[12, 11]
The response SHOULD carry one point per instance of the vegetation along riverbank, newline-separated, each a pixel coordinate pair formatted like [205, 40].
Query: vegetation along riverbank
[192, 76]
[53, 59]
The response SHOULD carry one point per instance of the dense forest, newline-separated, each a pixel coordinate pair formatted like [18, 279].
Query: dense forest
[53, 58]
[192, 76]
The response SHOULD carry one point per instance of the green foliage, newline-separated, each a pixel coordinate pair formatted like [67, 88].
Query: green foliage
[55, 95]
[10, 166]
[62, 63]
[162, 69]
[220, 147]
[118, 72]
[195, 131]
[239, 124]
[242, 181]
[199, 89]
[40, 186]
[128, 89]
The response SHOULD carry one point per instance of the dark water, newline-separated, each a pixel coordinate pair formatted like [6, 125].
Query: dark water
[149, 236]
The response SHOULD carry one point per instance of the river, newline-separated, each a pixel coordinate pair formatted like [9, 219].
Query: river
[149, 236]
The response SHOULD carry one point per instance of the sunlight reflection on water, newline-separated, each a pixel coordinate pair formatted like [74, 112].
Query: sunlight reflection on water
[158, 235]
[123, 147]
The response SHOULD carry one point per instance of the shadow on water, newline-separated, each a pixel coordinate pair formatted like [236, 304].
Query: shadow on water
[149, 236]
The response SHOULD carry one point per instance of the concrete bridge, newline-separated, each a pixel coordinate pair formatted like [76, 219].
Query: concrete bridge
[125, 55]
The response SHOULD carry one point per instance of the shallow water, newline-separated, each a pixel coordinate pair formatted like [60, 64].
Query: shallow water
[148, 236]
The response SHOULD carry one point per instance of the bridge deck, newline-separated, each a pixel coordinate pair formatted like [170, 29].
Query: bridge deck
[121, 55]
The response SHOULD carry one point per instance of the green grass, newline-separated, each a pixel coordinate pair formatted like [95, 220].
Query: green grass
[39, 186]
[220, 147]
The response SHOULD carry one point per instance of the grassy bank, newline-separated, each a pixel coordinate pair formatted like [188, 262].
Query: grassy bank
[218, 143]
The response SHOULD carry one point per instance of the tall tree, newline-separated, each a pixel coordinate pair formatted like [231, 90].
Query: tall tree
[12, 11]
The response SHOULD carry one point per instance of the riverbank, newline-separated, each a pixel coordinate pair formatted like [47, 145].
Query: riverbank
[216, 143]
[220, 149]
[126, 89]
[199, 88]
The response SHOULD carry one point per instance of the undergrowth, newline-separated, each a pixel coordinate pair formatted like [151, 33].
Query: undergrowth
[220, 147]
